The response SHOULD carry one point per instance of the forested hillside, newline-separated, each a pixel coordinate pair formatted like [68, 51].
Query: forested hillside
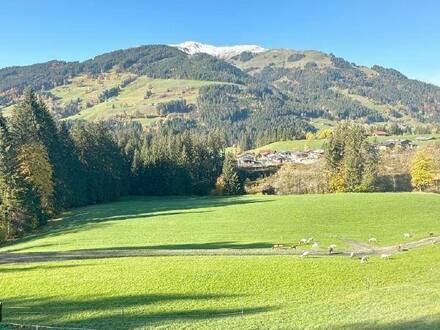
[265, 96]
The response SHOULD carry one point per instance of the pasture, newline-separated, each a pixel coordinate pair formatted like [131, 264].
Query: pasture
[132, 99]
[300, 145]
[221, 291]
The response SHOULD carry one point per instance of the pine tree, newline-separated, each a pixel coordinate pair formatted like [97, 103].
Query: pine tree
[232, 183]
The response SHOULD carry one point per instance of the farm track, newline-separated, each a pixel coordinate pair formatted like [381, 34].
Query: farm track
[359, 249]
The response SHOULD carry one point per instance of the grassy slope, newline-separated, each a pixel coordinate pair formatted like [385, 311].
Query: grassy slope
[87, 88]
[211, 292]
[299, 145]
[246, 222]
[131, 99]
[367, 102]
[279, 58]
[291, 145]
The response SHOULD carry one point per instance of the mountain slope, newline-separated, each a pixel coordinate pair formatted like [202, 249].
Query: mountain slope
[247, 91]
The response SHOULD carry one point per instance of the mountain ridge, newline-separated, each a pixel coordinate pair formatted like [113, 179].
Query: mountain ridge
[223, 52]
[264, 90]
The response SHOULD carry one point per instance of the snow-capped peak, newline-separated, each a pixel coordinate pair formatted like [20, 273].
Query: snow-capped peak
[223, 52]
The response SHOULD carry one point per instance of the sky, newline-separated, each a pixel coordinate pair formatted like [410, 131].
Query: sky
[401, 34]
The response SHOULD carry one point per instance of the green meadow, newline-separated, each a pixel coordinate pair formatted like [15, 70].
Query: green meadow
[131, 99]
[300, 145]
[238, 222]
[238, 292]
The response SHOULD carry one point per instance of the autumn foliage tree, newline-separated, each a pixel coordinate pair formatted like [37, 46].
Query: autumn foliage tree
[422, 170]
[35, 168]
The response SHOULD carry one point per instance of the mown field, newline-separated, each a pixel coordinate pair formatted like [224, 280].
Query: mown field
[240, 222]
[238, 292]
[300, 145]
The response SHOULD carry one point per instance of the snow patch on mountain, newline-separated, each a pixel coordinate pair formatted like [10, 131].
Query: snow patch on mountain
[223, 52]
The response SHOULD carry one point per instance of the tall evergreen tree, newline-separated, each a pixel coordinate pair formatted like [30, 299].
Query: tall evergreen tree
[20, 209]
[31, 123]
[350, 160]
[232, 183]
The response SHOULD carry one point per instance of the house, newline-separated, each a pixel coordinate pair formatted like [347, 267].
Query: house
[390, 144]
[380, 133]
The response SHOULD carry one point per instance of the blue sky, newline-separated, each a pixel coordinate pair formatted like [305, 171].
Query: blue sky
[402, 34]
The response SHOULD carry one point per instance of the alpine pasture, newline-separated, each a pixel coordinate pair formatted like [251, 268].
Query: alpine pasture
[203, 286]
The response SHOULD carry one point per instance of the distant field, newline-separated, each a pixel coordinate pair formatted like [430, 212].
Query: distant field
[292, 145]
[279, 58]
[237, 292]
[367, 102]
[87, 88]
[131, 100]
[300, 145]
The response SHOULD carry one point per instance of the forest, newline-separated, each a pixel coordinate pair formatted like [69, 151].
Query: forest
[48, 166]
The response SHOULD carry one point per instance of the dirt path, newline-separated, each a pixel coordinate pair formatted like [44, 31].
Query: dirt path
[359, 249]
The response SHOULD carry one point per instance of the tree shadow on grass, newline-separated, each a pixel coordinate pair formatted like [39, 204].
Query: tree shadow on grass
[190, 249]
[27, 268]
[191, 246]
[423, 323]
[85, 218]
[125, 312]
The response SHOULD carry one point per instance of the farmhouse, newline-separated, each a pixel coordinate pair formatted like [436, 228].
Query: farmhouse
[391, 144]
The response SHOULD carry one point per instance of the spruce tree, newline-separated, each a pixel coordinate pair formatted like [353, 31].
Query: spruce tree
[32, 123]
[232, 183]
[20, 203]
[351, 161]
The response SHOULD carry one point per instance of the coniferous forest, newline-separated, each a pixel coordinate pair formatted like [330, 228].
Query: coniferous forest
[47, 167]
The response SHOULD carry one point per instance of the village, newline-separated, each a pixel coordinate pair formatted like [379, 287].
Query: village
[270, 158]
[273, 158]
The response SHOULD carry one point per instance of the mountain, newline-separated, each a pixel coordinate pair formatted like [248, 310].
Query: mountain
[223, 52]
[254, 95]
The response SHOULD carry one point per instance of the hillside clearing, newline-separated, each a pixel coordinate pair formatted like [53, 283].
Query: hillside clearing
[132, 99]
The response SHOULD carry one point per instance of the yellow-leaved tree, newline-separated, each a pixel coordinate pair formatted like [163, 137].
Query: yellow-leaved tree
[35, 167]
[422, 170]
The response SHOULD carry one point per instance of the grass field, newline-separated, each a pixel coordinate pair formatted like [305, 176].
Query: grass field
[238, 292]
[249, 221]
[212, 292]
[131, 99]
[86, 88]
[292, 145]
[300, 145]
[279, 58]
